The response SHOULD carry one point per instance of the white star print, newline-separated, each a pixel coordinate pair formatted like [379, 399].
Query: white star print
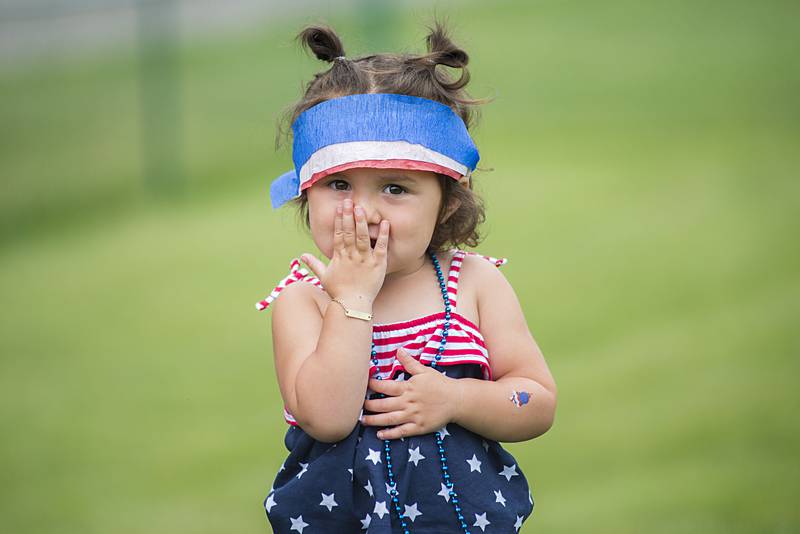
[305, 468]
[445, 492]
[298, 524]
[390, 488]
[481, 521]
[485, 446]
[351, 474]
[443, 433]
[412, 512]
[415, 456]
[380, 509]
[499, 498]
[327, 501]
[365, 522]
[530, 498]
[509, 471]
[474, 464]
[518, 524]
[283, 466]
[368, 487]
[270, 503]
[374, 457]
[400, 378]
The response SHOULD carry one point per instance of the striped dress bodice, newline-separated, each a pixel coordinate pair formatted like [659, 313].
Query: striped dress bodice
[420, 336]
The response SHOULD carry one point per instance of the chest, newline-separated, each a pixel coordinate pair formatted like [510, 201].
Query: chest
[422, 298]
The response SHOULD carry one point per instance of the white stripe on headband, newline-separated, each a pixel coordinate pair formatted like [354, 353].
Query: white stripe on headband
[340, 153]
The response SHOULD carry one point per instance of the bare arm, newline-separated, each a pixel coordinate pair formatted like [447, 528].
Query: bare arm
[520, 403]
[322, 362]
[487, 408]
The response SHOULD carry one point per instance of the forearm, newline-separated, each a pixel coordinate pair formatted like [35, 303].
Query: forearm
[331, 383]
[486, 408]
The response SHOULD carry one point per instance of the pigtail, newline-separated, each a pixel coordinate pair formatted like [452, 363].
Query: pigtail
[440, 85]
[322, 41]
[342, 78]
[442, 51]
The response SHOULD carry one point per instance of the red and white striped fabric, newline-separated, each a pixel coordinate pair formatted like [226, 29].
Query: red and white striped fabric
[420, 336]
[296, 274]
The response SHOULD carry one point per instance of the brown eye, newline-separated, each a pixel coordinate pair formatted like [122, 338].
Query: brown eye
[396, 189]
[334, 183]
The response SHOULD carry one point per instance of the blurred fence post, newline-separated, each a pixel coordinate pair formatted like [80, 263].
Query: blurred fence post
[160, 100]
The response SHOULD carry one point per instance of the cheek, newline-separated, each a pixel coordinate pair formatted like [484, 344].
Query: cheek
[322, 232]
[409, 231]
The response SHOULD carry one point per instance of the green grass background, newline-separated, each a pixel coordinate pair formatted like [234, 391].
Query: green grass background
[644, 188]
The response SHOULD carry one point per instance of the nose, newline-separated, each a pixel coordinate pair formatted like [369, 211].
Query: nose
[371, 212]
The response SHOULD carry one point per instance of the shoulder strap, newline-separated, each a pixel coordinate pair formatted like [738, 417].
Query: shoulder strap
[497, 261]
[296, 274]
[455, 271]
[452, 277]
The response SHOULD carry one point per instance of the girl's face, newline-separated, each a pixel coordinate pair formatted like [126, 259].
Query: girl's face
[409, 200]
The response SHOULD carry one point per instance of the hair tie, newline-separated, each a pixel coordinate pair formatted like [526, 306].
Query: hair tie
[341, 58]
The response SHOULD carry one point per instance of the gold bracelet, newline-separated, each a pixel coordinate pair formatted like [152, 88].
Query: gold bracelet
[353, 313]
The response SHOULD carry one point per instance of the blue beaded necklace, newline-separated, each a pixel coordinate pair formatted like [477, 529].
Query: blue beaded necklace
[439, 442]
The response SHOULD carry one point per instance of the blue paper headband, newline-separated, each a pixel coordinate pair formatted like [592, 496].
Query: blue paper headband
[378, 130]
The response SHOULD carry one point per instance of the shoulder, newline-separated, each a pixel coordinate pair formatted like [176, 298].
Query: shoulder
[513, 350]
[296, 296]
[483, 272]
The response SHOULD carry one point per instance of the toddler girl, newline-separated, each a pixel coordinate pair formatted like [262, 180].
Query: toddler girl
[405, 360]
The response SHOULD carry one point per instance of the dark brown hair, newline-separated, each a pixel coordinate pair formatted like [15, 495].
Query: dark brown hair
[407, 74]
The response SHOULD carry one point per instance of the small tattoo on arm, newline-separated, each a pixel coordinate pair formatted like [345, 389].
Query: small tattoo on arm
[519, 398]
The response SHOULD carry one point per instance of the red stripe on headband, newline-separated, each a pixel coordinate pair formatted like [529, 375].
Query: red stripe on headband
[407, 164]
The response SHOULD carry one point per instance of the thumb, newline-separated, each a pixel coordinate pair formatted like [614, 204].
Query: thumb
[316, 266]
[409, 362]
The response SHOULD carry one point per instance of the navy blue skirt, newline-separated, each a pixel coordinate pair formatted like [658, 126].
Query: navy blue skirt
[342, 487]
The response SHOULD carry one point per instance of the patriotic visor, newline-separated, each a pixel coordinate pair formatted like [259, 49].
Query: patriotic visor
[378, 130]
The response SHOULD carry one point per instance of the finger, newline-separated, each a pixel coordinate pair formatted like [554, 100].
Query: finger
[389, 387]
[362, 232]
[316, 266]
[411, 364]
[387, 404]
[382, 243]
[402, 431]
[348, 225]
[385, 419]
[338, 230]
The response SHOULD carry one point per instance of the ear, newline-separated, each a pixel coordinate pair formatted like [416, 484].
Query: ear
[454, 202]
[451, 208]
